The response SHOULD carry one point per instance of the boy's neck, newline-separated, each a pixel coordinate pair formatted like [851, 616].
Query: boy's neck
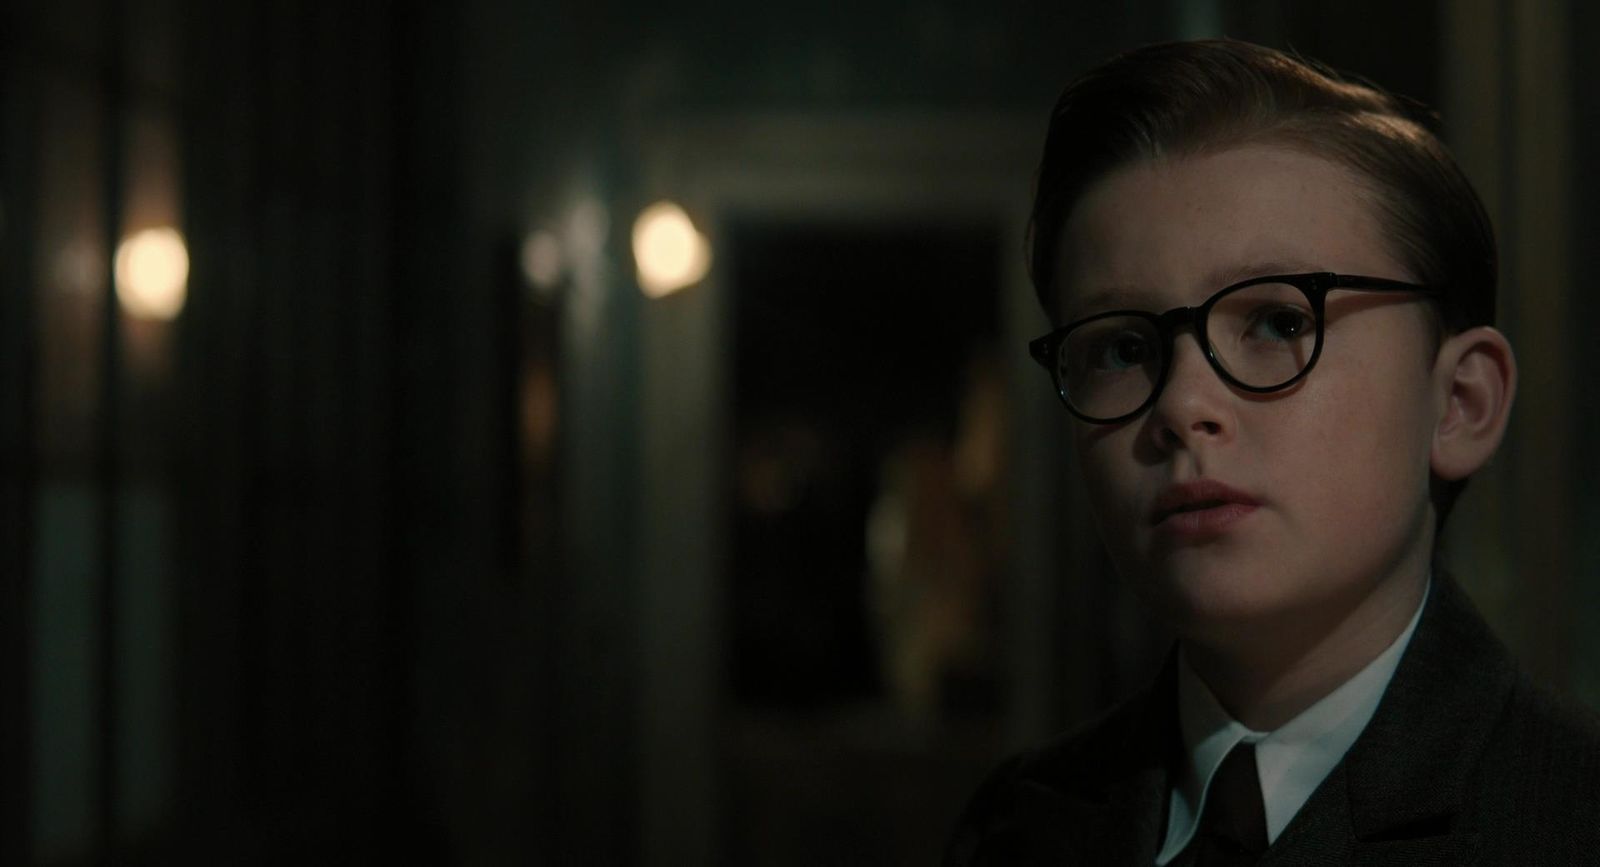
[1276, 675]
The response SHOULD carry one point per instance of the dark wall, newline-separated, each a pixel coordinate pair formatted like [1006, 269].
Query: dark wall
[361, 653]
[17, 111]
[1585, 228]
[297, 485]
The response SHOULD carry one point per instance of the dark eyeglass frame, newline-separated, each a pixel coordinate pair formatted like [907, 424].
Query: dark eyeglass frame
[1314, 286]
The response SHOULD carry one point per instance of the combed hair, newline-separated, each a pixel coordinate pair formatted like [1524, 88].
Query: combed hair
[1189, 98]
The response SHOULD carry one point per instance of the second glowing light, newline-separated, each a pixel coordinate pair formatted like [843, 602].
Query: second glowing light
[670, 252]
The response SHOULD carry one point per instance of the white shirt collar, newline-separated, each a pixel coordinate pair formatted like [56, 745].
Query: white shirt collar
[1292, 761]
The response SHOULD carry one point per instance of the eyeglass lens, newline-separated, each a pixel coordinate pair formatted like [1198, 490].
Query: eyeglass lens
[1262, 334]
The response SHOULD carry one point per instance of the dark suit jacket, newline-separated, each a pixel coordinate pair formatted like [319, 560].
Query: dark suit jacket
[1465, 761]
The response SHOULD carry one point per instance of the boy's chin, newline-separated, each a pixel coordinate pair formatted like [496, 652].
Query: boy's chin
[1215, 602]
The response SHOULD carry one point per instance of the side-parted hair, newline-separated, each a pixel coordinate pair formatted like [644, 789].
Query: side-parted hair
[1191, 98]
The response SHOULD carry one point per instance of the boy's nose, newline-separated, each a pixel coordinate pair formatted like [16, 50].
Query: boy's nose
[1194, 403]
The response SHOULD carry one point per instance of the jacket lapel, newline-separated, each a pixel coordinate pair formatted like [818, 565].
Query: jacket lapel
[1104, 804]
[1402, 794]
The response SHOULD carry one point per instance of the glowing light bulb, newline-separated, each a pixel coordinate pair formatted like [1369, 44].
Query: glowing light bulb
[670, 253]
[152, 273]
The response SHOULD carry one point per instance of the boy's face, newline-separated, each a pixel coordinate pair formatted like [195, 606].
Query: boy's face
[1338, 463]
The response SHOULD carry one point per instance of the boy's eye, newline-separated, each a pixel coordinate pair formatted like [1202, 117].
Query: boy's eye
[1120, 351]
[1278, 323]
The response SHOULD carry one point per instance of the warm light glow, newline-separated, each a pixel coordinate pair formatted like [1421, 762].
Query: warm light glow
[152, 271]
[542, 260]
[80, 267]
[670, 252]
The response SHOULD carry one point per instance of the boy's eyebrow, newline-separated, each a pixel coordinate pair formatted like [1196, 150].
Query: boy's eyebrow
[1102, 299]
[1259, 268]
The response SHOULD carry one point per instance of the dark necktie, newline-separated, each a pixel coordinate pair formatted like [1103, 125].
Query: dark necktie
[1233, 825]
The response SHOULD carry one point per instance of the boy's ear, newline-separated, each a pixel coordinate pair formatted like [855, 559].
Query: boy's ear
[1475, 379]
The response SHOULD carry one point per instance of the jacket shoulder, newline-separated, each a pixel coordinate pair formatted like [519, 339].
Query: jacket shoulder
[1539, 785]
[1551, 738]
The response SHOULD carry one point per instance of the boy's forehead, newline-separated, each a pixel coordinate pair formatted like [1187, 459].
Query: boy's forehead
[1106, 296]
[1172, 227]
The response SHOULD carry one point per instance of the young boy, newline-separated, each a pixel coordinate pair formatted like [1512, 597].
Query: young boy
[1275, 292]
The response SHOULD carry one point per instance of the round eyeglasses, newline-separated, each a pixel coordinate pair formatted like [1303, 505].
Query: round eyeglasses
[1260, 335]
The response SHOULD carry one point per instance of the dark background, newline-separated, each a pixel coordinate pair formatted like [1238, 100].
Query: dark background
[380, 552]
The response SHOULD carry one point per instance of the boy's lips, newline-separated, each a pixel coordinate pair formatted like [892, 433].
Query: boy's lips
[1199, 494]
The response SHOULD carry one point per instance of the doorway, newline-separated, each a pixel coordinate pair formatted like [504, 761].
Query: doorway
[861, 683]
